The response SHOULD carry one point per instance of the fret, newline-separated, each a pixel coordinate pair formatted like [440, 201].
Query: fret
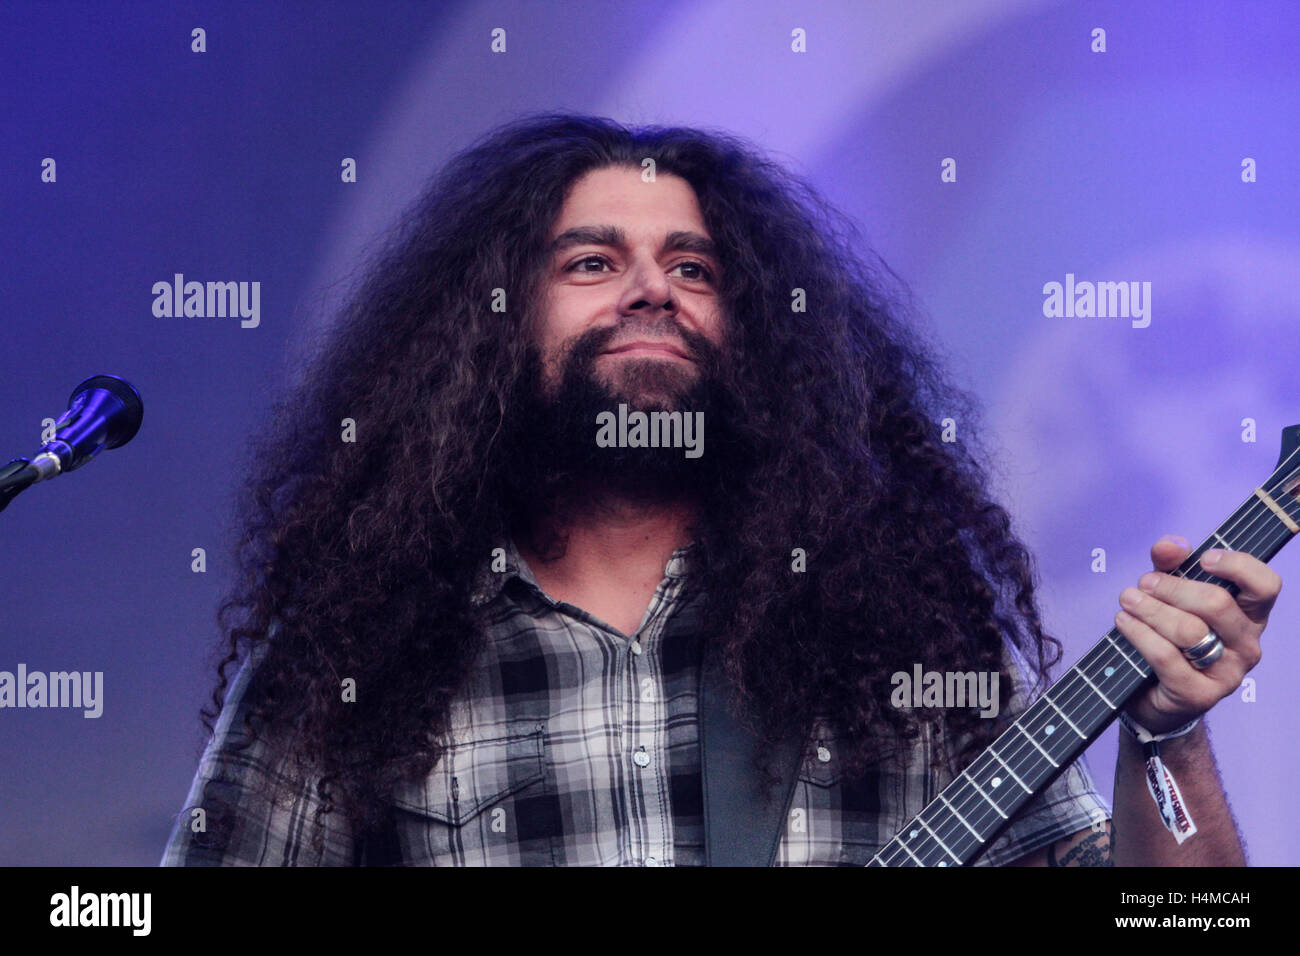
[1075, 668]
[936, 839]
[1031, 739]
[1009, 770]
[960, 817]
[909, 852]
[1260, 526]
[1120, 651]
[1041, 726]
[1109, 677]
[923, 844]
[990, 800]
[908, 849]
[1064, 717]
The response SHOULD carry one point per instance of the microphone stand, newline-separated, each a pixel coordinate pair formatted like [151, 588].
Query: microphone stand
[14, 477]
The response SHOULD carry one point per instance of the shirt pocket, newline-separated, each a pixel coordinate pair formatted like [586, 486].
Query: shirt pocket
[812, 833]
[821, 764]
[484, 804]
[833, 817]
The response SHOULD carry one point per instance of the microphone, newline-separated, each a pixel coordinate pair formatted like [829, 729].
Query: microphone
[104, 412]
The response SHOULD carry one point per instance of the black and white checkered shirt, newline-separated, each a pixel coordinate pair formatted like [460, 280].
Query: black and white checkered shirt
[577, 745]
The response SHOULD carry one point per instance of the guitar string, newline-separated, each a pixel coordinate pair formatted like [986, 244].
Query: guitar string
[1071, 683]
[981, 801]
[959, 835]
[1076, 687]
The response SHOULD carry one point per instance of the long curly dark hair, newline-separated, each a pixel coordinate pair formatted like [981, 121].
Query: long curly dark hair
[364, 551]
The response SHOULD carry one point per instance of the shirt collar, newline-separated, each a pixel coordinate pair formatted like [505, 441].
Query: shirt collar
[488, 583]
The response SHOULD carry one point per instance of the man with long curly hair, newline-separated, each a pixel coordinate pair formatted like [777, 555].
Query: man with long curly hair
[617, 410]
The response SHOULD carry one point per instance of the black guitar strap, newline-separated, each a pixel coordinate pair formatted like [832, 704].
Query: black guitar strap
[743, 820]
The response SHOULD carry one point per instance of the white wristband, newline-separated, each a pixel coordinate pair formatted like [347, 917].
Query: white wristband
[1160, 782]
[1145, 736]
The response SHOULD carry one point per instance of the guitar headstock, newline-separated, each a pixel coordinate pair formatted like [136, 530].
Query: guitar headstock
[1285, 479]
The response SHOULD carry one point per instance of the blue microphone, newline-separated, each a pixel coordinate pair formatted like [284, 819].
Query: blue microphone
[103, 412]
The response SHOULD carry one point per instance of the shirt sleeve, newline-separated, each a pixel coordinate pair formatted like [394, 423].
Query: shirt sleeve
[228, 818]
[1069, 804]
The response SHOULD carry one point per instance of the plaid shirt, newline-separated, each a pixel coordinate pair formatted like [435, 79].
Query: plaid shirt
[578, 745]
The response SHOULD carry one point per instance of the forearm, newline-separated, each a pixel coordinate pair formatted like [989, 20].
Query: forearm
[1140, 837]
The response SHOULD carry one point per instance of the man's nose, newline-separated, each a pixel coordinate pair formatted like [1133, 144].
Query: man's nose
[647, 287]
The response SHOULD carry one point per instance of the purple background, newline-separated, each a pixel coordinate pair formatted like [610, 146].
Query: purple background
[1115, 166]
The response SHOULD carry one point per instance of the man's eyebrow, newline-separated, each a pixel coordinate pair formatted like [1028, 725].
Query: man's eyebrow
[678, 241]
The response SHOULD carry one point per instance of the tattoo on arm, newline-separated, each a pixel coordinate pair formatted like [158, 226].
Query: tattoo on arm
[1094, 849]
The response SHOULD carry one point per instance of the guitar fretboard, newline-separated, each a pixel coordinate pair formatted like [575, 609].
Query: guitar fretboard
[980, 802]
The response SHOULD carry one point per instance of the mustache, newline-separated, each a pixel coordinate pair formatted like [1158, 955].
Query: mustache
[585, 347]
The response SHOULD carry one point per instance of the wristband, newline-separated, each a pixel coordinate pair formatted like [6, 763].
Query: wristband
[1160, 782]
[1145, 736]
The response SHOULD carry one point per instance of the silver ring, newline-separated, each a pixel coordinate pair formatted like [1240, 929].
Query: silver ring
[1202, 647]
[1205, 652]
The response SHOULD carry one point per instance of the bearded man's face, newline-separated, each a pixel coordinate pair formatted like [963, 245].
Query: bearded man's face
[632, 315]
[559, 422]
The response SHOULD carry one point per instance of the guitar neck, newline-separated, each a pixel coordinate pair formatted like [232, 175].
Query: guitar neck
[981, 801]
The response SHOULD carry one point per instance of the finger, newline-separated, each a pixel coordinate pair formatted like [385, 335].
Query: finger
[1169, 552]
[1184, 687]
[1258, 584]
[1183, 610]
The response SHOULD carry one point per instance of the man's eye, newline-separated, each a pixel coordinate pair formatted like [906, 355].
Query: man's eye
[574, 267]
[705, 272]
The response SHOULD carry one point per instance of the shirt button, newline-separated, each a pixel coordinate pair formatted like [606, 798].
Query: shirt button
[651, 861]
[636, 648]
[641, 758]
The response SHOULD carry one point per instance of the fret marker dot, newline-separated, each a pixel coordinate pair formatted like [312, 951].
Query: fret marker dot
[996, 781]
[943, 862]
[912, 835]
[1050, 728]
[1109, 671]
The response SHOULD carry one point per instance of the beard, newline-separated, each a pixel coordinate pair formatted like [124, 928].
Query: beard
[550, 449]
